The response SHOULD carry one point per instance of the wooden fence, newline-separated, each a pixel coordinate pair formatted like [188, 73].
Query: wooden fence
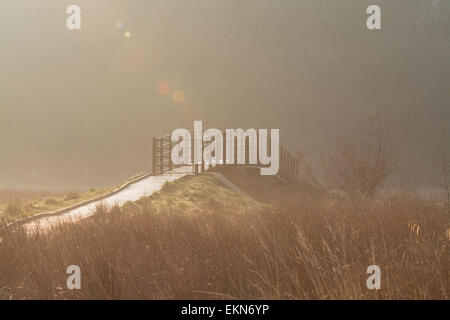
[162, 161]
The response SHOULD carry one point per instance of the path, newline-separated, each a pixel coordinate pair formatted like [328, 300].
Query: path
[133, 192]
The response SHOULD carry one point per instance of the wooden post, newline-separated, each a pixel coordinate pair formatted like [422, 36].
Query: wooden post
[170, 153]
[224, 147]
[287, 165]
[290, 167]
[194, 165]
[161, 155]
[154, 167]
[288, 160]
[257, 148]
[247, 150]
[269, 147]
[294, 161]
[281, 161]
[295, 168]
[203, 160]
[235, 150]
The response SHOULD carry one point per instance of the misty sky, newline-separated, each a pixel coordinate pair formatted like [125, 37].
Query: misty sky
[79, 108]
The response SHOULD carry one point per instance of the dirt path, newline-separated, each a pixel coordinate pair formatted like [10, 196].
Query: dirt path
[133, 192]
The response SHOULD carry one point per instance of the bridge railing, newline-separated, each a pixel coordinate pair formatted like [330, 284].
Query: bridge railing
[162, 160]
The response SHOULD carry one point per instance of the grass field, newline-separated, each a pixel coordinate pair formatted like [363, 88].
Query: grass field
[18, 204]
[195, 239]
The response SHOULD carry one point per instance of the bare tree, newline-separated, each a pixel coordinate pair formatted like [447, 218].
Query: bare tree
[364, 160]
[444, 168]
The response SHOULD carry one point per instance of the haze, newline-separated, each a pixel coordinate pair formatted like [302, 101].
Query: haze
[79, 108]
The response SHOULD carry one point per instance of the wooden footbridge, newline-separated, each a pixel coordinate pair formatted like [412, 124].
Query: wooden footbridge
[163, 170]
[163, 145]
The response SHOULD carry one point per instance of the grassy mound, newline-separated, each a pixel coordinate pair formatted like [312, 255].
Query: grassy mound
[198, 240]
[192, 193]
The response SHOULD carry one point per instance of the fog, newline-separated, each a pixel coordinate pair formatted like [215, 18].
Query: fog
[79, 108]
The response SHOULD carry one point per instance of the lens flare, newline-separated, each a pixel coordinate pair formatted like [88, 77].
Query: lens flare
[164, 88]
[127, 34]
[178, 96]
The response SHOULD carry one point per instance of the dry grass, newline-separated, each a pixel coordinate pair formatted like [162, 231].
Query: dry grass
[302, 250]
[17, 204]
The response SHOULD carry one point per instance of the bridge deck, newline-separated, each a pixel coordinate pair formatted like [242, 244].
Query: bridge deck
[133, 192]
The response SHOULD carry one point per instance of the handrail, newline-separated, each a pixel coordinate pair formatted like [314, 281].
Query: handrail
[76, 206]
[162, 162]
